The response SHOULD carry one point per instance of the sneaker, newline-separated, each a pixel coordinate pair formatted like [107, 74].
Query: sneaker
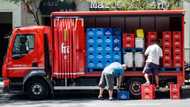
[110, 98]
[100, 98]
[147, 83]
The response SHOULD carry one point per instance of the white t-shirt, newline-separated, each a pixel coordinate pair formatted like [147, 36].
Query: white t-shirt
[154, 52]
[110, 69]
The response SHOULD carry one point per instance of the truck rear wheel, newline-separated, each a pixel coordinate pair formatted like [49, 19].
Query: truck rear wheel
[134, 86]
[37, 89]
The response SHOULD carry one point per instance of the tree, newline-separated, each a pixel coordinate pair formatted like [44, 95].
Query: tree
[173, 3]
[141, 4]
[123, 4]
[31, 6]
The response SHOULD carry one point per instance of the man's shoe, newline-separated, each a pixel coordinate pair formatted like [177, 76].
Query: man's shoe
[100, 98]
[147, 83]
[110, 98]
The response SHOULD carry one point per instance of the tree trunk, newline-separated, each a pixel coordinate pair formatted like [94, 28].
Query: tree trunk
[31, 11]
[37, 18]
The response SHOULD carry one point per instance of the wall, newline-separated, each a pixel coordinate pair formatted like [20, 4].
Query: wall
[27, 18]
[6, 6]
[82, 5]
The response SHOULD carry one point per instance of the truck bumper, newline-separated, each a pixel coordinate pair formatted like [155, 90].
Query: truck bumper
[5, 85]
[9, 87]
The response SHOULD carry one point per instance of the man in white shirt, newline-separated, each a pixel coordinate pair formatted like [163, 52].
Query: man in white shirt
[153, 53]
[111, 71]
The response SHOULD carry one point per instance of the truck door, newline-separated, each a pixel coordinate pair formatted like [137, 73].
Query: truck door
[22, 54]
[69, 48]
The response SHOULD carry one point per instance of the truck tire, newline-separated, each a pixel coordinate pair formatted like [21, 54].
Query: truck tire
[134, 86]
[37, 89]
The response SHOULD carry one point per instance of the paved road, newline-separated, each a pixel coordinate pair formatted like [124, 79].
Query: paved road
[96, 103]
[86, 100]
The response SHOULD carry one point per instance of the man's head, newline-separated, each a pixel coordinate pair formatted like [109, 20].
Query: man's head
[23, 39]
[124, 66]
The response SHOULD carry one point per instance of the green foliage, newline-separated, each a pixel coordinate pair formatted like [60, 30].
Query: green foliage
[15, 1]
[24, 1]
[124, 4]
[140, 4]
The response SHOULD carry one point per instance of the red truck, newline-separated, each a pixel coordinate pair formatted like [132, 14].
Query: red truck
[41, 59]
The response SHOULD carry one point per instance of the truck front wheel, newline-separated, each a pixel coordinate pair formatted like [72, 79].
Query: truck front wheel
[37, 89]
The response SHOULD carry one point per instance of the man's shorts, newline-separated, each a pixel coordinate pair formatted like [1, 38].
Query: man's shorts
[151, 68]
[106, 79]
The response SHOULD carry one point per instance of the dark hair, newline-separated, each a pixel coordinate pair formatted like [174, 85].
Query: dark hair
[23, 39]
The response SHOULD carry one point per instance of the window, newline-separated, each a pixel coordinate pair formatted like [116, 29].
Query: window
[23, 44]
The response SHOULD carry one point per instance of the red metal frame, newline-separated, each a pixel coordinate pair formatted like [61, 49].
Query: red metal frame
[181, 77]
[131, 74]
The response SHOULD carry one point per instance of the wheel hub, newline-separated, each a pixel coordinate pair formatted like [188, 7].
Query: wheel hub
[36, 89]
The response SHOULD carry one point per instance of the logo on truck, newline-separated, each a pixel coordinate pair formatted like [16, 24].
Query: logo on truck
[64, 49]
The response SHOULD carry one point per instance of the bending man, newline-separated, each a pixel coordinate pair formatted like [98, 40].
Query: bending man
[115, 69]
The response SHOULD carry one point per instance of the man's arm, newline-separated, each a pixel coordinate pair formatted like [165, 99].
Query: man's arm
[161, 55]
[146, 52]
[161, 63]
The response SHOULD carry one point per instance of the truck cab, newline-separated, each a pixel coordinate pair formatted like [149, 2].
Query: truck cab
[25, 59]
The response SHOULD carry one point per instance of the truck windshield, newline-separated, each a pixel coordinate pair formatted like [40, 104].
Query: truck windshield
[23, 44]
